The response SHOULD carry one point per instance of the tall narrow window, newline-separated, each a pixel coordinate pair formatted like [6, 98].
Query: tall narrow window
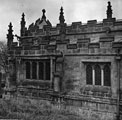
[28, 70]
[89, 75]
[0, 83]
[47, 70]
[41, 70]
[107, 75]
[34, 70]
[44, 70]
[97, 75]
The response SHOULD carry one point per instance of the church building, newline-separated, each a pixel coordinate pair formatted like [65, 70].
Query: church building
[79, 65]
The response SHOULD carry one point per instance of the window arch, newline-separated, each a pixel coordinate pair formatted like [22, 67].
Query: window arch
[89, 74]
[97, 75]
[107, 77]
[34, 70]
[28, 72]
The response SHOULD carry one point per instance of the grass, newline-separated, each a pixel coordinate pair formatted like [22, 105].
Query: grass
[42, 110]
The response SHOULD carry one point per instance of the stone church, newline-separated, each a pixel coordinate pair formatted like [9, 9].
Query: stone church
[79, 65]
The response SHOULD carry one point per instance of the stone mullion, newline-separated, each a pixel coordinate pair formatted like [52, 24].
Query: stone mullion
[102, 76]
[93, 75]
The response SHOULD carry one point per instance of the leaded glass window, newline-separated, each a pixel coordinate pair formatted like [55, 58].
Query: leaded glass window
[97, 75]
[38, 69]
[41, 70]
[44, 70]
[107, 77]
[28, 72]
[34, 70]
[89, 74]
[47, 70]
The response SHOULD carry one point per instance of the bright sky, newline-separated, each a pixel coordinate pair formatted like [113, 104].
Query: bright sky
[74, 10]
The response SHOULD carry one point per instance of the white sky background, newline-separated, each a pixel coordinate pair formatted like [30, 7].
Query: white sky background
[74, 11]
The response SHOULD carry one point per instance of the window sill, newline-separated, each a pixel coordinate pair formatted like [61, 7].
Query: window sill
[37, 80]
[98, 88]
[42, 84]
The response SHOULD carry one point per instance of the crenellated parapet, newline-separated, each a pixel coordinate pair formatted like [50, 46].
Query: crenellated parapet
[92, 26]
[43, 27]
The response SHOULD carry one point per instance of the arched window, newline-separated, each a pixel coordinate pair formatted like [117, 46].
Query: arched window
[97, 75]
[89, 74]
[44, 70]
[28, 70]
[34, 70]
[41, 70]
[0, 79]
[47, 70]
[107, 75]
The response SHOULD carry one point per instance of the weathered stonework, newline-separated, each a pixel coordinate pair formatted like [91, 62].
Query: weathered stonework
[69, 49]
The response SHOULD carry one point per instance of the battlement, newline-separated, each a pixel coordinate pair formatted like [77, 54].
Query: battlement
[92, 26]
[77, 38]
[42, 33]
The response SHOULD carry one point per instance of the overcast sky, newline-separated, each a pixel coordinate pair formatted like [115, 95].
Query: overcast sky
[74, 10]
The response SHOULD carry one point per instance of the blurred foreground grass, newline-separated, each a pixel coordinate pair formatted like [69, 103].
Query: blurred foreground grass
[12, 109]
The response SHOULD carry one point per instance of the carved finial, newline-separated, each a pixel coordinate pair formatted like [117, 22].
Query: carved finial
[23, 22]
[10, 29]
[10, 35]
[23, 16]
[109, 10]
[61, 17]
[43, 16]
[10, 26]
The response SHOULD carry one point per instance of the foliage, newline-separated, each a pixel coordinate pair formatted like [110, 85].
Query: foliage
[11, 109]
[3, 56]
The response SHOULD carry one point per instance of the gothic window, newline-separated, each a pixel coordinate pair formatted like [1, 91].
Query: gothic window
[41, 70]
[107, 77]
[34, 70]
[0, 79]
[97, 75]
[89, 74]
[47, 70]
[28, 73]
[44, 70]
[38, 70]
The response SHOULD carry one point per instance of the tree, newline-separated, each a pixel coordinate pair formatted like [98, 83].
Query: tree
[3, 56]
[3, 65]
